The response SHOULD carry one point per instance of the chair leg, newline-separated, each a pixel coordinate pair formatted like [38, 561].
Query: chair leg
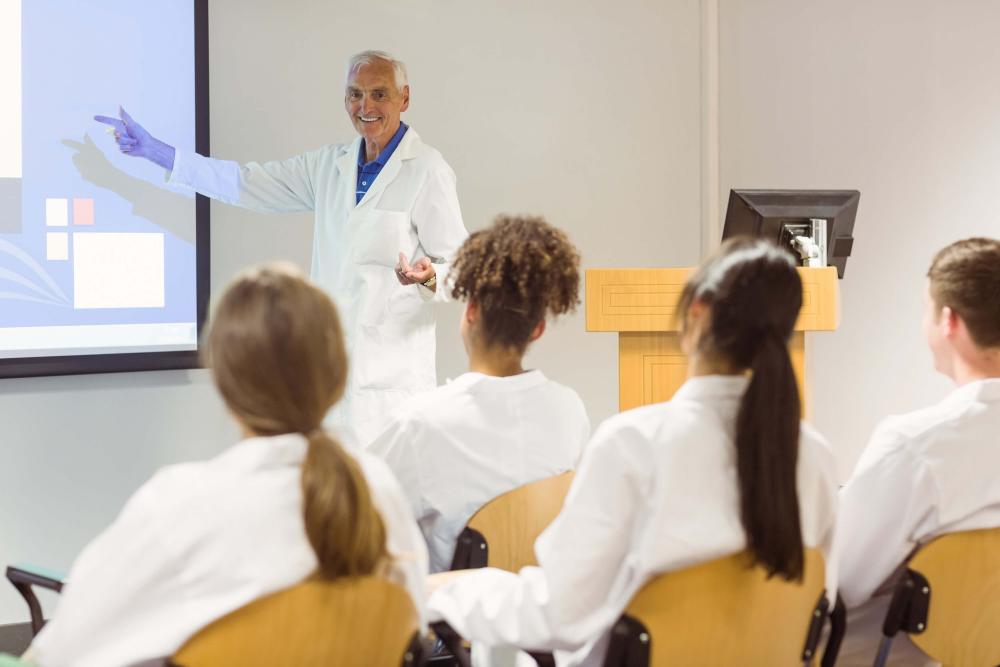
[453, 641]
[838, 628]
[884, 647]
[34, 607]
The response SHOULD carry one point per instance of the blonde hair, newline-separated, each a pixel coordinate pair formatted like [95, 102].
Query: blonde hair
[276, 352]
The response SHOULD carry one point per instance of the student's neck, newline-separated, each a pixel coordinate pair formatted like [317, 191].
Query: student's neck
[496, 363]
[699, 366]
[986, 366]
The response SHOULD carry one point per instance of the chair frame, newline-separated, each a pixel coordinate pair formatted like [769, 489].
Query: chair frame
[472, 551]
[911, 600]
[24, 580]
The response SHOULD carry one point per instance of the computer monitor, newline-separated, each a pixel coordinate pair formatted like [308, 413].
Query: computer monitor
[816, 225]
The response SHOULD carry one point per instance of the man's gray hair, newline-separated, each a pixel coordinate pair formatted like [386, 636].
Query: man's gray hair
[368, 57]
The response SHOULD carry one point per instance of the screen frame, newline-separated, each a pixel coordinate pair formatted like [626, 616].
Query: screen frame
[84, 364]
[760, 213]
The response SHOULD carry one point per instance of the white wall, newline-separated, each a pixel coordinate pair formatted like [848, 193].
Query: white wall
[899, 99]
[585, 112]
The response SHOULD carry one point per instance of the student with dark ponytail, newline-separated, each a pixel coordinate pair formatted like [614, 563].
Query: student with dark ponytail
[200, 540]
[725, 466]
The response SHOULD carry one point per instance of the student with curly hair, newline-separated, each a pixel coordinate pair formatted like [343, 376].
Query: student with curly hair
[498, 426]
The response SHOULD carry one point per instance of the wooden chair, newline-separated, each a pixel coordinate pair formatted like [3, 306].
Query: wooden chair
[723, 613]
[948, 600]
[503, 532]
[363, 621]
[360, 621]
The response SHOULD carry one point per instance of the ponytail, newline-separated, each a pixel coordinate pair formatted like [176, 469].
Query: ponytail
[767, 447]
[344, 528]
[277, 354]
[755, 293]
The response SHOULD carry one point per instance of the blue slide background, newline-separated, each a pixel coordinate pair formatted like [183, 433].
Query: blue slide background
[83, 58]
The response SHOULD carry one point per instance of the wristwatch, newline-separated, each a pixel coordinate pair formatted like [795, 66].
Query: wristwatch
[430, 282]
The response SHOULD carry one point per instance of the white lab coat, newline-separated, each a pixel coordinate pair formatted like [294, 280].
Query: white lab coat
[923, 474]
[412, 207]
[467, 442]
[198, 541]
[656, 491]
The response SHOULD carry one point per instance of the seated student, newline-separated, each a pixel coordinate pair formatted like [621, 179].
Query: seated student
[200, 540]
[932, 471]
[724, 466]
[498, 426]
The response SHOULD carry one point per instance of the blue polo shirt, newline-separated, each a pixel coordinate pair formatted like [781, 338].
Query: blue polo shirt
[367, 173]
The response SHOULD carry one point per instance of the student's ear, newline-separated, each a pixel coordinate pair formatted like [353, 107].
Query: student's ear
[537, 332]
[949, 322]
[695, 320]
[471, 314]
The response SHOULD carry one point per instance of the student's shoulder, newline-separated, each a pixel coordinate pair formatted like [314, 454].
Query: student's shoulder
[169, 490]
[564, 394]
[437, 401]
[666, 424]
[428, 410]
[916, 431]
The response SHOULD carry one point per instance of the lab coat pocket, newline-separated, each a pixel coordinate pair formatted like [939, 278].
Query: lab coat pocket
[389, 355]
[380, 237]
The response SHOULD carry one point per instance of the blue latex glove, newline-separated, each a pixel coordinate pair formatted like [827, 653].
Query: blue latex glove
[133, 139]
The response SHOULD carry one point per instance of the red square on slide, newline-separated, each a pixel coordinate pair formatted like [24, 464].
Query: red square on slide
[83, 211]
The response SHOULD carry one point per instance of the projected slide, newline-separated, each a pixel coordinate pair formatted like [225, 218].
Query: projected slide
[97, 257]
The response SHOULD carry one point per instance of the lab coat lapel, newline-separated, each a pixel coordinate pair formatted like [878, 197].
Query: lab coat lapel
[347, 165]
[406, 149]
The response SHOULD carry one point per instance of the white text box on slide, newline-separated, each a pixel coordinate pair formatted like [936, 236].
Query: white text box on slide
[10, 88]
[118, 270]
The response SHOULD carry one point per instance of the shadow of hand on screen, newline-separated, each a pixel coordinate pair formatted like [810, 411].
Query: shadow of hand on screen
[169, 211]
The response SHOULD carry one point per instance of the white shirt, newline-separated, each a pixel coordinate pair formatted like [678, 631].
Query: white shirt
[459, 446]
[923, 474]
[412, 207]
[198, 541]
[656, 491]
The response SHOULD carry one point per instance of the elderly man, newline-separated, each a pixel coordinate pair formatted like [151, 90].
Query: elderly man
[380, 201]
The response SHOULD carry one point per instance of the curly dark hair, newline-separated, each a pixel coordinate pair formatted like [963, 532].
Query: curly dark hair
[517, 270]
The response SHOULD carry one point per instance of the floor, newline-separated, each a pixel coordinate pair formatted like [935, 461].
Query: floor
[15, 638]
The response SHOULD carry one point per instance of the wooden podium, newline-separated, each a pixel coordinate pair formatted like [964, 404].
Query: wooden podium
[639, 304]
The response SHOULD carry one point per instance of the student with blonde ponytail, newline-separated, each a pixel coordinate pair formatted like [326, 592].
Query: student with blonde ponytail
[725, 466]
[200, 540]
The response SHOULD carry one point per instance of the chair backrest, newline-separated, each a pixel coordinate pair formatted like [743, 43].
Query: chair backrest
[963, 616]
[722, 613]
[510, 523]
[351, 621]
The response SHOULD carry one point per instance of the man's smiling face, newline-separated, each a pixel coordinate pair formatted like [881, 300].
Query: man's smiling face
[374, 103]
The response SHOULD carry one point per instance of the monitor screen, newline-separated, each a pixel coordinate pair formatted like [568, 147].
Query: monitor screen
[102, 267]
[779, 214]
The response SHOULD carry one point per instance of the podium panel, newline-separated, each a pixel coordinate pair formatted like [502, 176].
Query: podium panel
[640, 306]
